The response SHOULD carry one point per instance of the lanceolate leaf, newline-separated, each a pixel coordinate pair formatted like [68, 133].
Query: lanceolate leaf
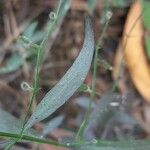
[91, 5]
[12, 64]
[10, 124]
[70, 82]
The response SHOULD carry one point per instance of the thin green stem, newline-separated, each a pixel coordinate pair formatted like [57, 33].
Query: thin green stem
[30, 138]
[39, 49]
[92, 94]
[41, 140]
[114, 144]
[35, 84]
[34, 93]
[58, 8]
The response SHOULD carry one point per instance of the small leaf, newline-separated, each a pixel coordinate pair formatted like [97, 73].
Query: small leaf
[104, 64]
[53, 124]
[3, 143]
[71, 81]
[37, 36]
[11, 124]
[31, 33]
[83, 88]
[30, 30]
[62, 10]
[91, 5]
[12, 64]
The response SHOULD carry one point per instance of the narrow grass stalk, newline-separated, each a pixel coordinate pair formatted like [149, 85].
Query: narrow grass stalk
[34, 93]
[92, 94]
[39, 49]
[41, 140]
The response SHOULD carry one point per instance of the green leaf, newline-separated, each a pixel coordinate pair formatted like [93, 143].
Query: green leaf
[38, 36]
[104, 64]
[146, 14]
[91, 5]
[64, 7]
[69, 83]
[33, 34]
[30, 30]
[10, 124]
[4, 143]
[12, 64]
[83, 88]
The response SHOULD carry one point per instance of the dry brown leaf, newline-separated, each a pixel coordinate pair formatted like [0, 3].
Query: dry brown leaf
[134, 53]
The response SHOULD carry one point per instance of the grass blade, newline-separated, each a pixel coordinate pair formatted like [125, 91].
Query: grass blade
[69, 83]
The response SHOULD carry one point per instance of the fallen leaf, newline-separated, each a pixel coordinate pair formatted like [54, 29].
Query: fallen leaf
[134, 52]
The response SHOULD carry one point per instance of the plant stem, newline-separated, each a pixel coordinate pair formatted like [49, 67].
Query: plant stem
[92, 94]
[39, 49]
[40, 140]
[34, 93]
